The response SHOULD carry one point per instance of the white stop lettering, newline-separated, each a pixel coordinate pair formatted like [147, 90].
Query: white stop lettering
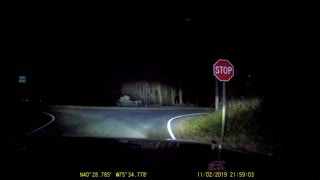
[223, 70]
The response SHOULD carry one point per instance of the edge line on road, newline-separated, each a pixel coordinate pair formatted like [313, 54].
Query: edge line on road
[52, 119]
[169, 123]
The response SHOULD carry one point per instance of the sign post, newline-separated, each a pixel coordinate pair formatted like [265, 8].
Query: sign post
[223, 70]
[224, 104]
[22, 80]
[216, 104]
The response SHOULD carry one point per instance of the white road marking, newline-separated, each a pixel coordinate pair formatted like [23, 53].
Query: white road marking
[52, 119]
[169, 126]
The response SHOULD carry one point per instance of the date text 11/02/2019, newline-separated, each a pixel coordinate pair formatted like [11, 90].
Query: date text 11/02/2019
[112, 174]
[225, 174]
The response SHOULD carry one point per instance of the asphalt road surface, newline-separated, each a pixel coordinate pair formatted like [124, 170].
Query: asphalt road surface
[113, 122]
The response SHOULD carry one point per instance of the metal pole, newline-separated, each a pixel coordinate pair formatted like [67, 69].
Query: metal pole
[217, 95]
[21, 92]
[223, 110]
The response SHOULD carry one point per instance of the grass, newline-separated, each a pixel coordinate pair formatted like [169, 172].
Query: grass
[241, 129]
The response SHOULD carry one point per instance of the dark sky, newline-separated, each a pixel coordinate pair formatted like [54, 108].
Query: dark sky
[87, 54]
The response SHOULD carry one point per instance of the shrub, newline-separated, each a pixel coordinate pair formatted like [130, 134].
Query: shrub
[241, 129]
[125, 101]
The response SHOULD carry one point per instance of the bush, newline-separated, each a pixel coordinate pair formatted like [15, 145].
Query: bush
[125, 101]
[241, 130]
[241, 116]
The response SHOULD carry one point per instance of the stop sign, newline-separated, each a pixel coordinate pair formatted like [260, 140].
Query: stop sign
[223, 70]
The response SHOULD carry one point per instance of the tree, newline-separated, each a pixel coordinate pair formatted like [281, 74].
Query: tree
[180, 96]
[160, 95]
[150, 92]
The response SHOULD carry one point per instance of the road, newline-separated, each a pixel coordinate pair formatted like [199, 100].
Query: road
[149, 123]
[113, 122]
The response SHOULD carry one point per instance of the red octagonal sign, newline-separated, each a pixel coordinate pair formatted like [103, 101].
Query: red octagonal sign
[223, 70]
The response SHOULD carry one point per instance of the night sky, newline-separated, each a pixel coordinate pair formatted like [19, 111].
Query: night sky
[83, 57]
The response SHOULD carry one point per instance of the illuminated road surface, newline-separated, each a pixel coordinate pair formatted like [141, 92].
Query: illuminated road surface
[116, 122]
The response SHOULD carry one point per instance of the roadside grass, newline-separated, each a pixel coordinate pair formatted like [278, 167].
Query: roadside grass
[241, 128]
